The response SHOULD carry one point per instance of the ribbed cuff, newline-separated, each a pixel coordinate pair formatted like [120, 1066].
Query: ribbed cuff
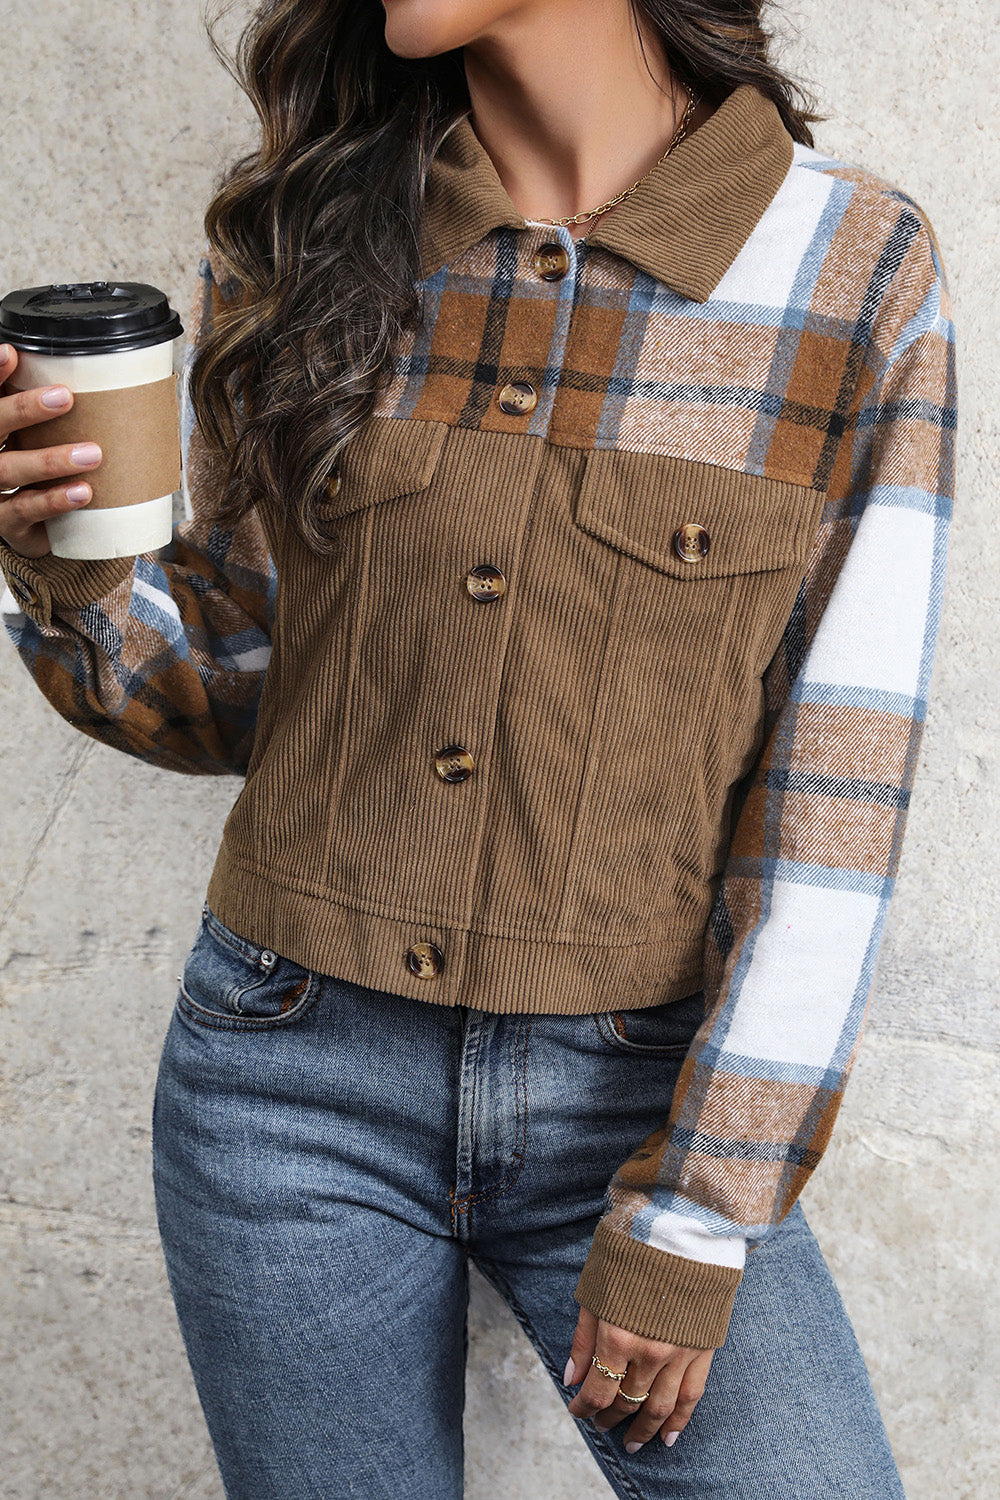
[656, 1294]
[43, 584]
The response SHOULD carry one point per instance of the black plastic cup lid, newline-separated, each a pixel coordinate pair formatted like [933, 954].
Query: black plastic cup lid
[87, 317]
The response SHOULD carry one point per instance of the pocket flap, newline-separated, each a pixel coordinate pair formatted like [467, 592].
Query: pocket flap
[637, 502]
[389, 457]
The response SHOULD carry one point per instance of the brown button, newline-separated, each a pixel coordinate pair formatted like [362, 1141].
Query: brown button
[333, 484]
[485, 582]
[23, 592]
[425, 960]
[518, 398]
[691, 542]
[454, 763]
[552, 261]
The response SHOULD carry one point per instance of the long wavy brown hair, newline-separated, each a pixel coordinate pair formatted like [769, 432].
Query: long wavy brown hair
[316, 230]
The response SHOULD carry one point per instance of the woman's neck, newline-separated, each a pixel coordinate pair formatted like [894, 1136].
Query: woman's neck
[564, 104]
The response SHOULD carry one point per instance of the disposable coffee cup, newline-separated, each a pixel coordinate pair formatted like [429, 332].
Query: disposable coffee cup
[112, 344]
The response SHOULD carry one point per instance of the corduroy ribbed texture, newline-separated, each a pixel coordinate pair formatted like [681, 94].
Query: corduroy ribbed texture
[656, 1294]
[685, 223]
[37, 581]
[574, 867]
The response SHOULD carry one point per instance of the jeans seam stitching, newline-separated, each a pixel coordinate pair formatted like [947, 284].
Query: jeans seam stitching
[241, 946]
[618, 1043]
[203, 1017]
[462, 1205]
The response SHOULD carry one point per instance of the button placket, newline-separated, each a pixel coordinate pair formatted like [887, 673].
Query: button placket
[485, 583]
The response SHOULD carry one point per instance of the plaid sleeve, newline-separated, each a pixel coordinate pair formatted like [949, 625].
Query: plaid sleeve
[162, 655]
[797, 921]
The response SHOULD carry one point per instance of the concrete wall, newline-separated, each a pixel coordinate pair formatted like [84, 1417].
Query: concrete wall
[116, 120]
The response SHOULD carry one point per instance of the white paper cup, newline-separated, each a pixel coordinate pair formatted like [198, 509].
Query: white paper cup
[112, 344]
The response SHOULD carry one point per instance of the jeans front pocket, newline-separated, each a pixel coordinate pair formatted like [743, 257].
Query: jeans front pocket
[656, 1030]
[233, 984]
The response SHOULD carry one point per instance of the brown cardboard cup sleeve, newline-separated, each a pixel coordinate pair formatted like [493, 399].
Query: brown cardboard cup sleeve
[137, 431]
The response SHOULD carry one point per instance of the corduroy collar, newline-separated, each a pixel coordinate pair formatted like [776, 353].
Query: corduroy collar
[685, 224]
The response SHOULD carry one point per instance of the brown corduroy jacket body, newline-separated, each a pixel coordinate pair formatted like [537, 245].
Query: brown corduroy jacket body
[608, 700]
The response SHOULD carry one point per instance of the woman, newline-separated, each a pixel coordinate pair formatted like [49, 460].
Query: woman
[568, 460]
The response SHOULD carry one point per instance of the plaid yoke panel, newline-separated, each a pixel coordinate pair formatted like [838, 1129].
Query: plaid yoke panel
[758, 380]
[169, 666]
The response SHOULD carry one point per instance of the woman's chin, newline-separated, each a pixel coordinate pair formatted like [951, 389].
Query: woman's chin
[425, 28]
[412, 29]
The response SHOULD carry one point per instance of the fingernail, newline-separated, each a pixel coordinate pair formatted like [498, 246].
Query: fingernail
[4, 353]
[671, 1439]
[632, 1447]
[57, 396]
[569, 1374]
[77, 494]
[85, 453]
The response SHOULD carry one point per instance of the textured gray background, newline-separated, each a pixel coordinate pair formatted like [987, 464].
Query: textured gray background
[116, 120]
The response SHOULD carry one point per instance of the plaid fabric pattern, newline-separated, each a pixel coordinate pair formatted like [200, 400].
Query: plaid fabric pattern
[796, 927]
[824, 357]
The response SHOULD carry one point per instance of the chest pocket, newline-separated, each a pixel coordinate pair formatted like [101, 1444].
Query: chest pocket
[716, 558]
[390, 457]
[693, 521]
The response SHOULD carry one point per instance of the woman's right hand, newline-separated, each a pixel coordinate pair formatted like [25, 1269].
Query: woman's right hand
[42, 476]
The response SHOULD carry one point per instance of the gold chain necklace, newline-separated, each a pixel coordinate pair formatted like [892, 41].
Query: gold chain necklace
[679, 135]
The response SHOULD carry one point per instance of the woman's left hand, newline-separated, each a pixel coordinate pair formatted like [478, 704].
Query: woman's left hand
[674, 1377]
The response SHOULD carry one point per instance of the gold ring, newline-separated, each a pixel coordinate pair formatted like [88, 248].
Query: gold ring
[626, 1397]
[605, 1371]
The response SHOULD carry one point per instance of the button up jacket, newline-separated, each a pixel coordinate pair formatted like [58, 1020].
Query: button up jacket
[614, 687]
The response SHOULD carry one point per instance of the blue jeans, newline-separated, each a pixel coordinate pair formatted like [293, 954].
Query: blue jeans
[327, 1158]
